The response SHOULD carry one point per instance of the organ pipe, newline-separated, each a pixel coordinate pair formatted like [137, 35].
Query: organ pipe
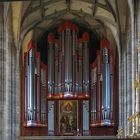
[106, 84]
[51, 64]
[85, 63]
[31, 93]
[68, 59]
[80, 62]
[43, 93]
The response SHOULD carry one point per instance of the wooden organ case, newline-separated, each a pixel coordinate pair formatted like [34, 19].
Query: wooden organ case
[33, 101]
[103, 103]
[68, 96]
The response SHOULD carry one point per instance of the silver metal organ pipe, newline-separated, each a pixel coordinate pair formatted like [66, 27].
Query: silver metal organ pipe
[68, 61]
[86, 63]
[86, 68]
[106, 83]
[51, 64]
[31, 100]
[74, 55]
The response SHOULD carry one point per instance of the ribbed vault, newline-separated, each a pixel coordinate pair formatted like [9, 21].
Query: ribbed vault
[41, 15]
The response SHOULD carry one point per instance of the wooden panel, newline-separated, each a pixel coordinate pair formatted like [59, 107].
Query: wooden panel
[103, 131]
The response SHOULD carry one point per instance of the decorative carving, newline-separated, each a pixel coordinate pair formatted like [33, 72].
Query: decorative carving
[120, 133]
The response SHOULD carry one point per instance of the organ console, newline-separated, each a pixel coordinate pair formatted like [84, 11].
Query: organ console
[69, 75]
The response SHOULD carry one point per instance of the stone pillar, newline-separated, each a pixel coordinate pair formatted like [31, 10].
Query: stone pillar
[2, 70]
[125, 93]
[120, 129]
[11, 82]
[124, 87]
[137, 29]
[130, 68]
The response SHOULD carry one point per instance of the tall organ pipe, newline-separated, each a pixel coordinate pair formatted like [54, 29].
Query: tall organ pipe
[51, 64]
[68, 57]
[85, 63]
[31, 93]
[60, 65]
[106, 80]
[74, 43]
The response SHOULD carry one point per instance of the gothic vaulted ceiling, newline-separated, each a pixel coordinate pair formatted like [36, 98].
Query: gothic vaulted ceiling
[40, 15]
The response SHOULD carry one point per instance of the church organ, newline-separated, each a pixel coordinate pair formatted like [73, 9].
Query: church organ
[68, 78]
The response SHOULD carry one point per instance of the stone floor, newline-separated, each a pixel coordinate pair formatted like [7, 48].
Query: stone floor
[65, 137]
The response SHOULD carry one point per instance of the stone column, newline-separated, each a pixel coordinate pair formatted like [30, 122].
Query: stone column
[130, 67]
[137, 29]
[120, 129]
[11, 94]
[2, 70]
[124, 87]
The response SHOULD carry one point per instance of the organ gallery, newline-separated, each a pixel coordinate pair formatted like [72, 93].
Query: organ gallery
[69, 94]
